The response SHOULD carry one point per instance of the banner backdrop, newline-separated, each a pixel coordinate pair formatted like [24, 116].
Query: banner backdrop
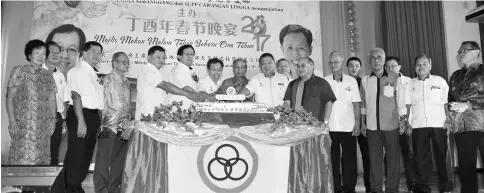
[226, 29]
[233, 165]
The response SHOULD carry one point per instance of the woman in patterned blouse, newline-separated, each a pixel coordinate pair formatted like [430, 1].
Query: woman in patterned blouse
[466, 97]
[31, 108]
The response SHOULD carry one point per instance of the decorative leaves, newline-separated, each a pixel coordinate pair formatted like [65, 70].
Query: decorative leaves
[175, 114]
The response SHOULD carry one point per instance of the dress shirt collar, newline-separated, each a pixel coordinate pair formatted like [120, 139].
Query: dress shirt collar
[428, 77]
[45, 67]
[385, 73]
[299, 79]
[185, 67]
[340, 80]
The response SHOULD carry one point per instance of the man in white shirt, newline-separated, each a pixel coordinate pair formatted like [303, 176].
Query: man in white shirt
[183, 76]
[213, 81]
[83, 119]
[392, 63]
[429, 108]
[151, 87]
[344, 124]
[268, 86]
[62, 97]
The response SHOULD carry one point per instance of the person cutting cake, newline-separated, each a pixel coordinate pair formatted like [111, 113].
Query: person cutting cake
[268, 87]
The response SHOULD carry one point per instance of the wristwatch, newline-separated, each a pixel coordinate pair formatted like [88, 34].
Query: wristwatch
[326, 123]
[403, 118]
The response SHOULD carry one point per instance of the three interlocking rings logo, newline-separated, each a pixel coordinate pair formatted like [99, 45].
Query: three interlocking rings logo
[228, 177]
[228, 164]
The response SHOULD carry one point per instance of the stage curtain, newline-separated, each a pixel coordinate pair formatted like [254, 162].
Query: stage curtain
[16, 26]
[414, 27]
[334, 30]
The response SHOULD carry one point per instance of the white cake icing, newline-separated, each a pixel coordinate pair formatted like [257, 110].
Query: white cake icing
[223, 97]
[231, 107]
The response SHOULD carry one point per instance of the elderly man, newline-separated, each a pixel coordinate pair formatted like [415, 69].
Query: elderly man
[466, 95]
[344, 124]
[268, 87]
[296, 43]
[380, 122]
[428, 98]
[239, 80]
[313, 94]
[392, 63]
[151, 87]
[111, 150]
[212, 82]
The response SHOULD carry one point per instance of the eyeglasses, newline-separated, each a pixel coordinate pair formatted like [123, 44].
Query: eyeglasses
[465, 50]
[188, 54]
[70, 51]
[55, 53]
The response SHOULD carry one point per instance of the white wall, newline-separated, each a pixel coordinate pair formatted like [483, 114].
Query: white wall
[457, 29]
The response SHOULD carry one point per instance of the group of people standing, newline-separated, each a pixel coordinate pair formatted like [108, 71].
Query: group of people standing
[388, 114]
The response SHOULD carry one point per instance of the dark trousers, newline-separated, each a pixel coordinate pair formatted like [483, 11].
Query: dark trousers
[408, 163]
[347, 143]
[377, 141]
[110, 159]
[481, 150]
[422, 137]
[55, 141]
[79, 152]
[467, 143]
[365, 156]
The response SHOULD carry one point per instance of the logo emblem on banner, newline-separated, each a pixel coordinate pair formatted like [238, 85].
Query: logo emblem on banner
[231, 171]
[228, 164]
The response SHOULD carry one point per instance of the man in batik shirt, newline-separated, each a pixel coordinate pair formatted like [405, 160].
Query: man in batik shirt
[111, 149]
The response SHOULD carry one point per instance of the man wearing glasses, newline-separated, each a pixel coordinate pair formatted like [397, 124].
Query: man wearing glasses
[392, 63]
[111, 149]
[70, 39]
[213, 81]
[466, 96]
[83, 119]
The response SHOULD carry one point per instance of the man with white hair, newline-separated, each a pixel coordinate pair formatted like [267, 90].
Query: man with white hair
[380, 122]
[344, 124]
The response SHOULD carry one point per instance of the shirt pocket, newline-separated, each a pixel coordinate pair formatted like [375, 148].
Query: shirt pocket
[435, 94]
[389, 91]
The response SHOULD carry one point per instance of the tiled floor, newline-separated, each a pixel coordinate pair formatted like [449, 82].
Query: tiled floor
[89, 187]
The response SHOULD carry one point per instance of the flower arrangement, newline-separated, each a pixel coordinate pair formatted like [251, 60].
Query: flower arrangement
[286, 116]
[175, 114]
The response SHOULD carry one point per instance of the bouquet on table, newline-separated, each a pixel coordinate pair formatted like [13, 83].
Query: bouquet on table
[286, 116]
[173, 113]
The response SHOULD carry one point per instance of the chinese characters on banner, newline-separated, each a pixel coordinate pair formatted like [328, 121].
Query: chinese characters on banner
[224, 29]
